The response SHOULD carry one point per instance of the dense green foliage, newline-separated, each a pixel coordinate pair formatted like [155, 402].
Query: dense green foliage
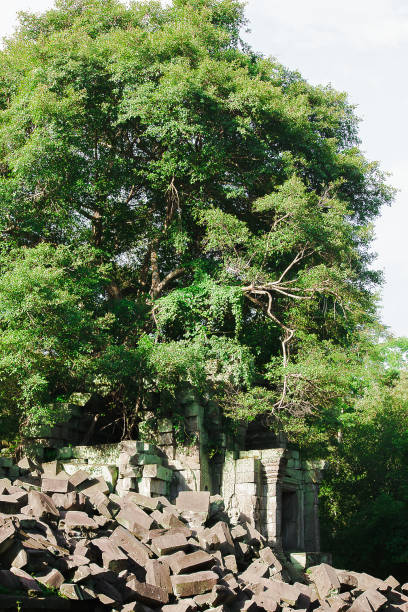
[177, 210]
[174, 209]
[364, 497]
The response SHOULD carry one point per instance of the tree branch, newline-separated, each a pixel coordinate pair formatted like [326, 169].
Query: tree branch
[166, 280]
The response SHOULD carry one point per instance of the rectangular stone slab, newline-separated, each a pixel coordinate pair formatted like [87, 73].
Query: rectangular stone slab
[79, 478]
[167, 544]
[10, 504]
[112, 557]
[7, 534]
[369, 600]
[193, 562]
[193, 501]
[55, 485]
[75, 519]
[134, 519]
[134, 549]
[148, 593]
[27, 582]
[325, 579]
[187, 585]
[41, 504]
[158, 574]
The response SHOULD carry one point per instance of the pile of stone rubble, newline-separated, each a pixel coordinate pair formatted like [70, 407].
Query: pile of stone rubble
[68, 543]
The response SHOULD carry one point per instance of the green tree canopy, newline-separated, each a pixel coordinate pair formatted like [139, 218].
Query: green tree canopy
[364, 497]
[174, 208]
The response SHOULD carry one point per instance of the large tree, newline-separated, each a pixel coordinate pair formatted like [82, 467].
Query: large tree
[174, 208]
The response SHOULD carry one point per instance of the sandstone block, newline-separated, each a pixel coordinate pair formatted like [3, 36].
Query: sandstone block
[81, 574]
[157, 471]
[169, 543]
[325, 579]
[134, 549]
[193, 501]
[7, 535]
[224, 541]
[26, 464]
[79, 478]
[280, 591]
[266, 602]
[230, 563]
[170, 560]
[134, 519]
[41, 505]
[144, 501]
[98, 484]
[55, 485]
[112, 557]
[253, 535]
[239, 533]
[71, 591]
[369, 600]
[347, 580]
[167, 520]
[27, 582]
[152, 486]
[50, 469]
[69, 501]
[148, 593]
[187, 585]
[11, 504]
[257, 569]
[77, 520]
[268, 557]
[185, 605]
[158, 574]
[53, 578]
[366, 582]
[145, 459]
[392, 582]
[192, 562]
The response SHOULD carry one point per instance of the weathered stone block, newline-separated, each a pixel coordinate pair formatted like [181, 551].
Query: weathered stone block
[77, 520]
[187, 585]
[55, 485]
[369, 600]
[79, 477]
[325, 579]
[41, 505]
[7, 535]
[134, 519]
[167, 544]
[144, 501]
[112, 557]
[158, 574]
[148, 593]
[152, 486]
[192, 562]
[52, 579]
[157, 471]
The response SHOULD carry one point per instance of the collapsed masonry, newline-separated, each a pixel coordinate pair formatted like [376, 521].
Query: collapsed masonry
[272, 488]
[67, 542]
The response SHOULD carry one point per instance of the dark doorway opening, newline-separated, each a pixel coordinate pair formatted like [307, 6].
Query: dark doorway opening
[289, 520]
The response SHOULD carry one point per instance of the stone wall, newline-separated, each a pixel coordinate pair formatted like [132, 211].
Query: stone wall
[273, 488]
[277, 492]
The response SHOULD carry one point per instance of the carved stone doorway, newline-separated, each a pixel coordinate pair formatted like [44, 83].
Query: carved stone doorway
[290, 519]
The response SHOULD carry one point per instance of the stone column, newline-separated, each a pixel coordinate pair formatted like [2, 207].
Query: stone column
[272, 469]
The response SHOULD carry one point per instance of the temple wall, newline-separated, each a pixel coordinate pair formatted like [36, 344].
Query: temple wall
[271, 488]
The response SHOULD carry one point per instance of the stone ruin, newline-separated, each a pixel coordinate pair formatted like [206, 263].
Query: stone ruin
[203, 522]
[270, 486]
[75, 535]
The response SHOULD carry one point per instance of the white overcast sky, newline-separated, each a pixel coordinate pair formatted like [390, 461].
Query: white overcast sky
[359, 46]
